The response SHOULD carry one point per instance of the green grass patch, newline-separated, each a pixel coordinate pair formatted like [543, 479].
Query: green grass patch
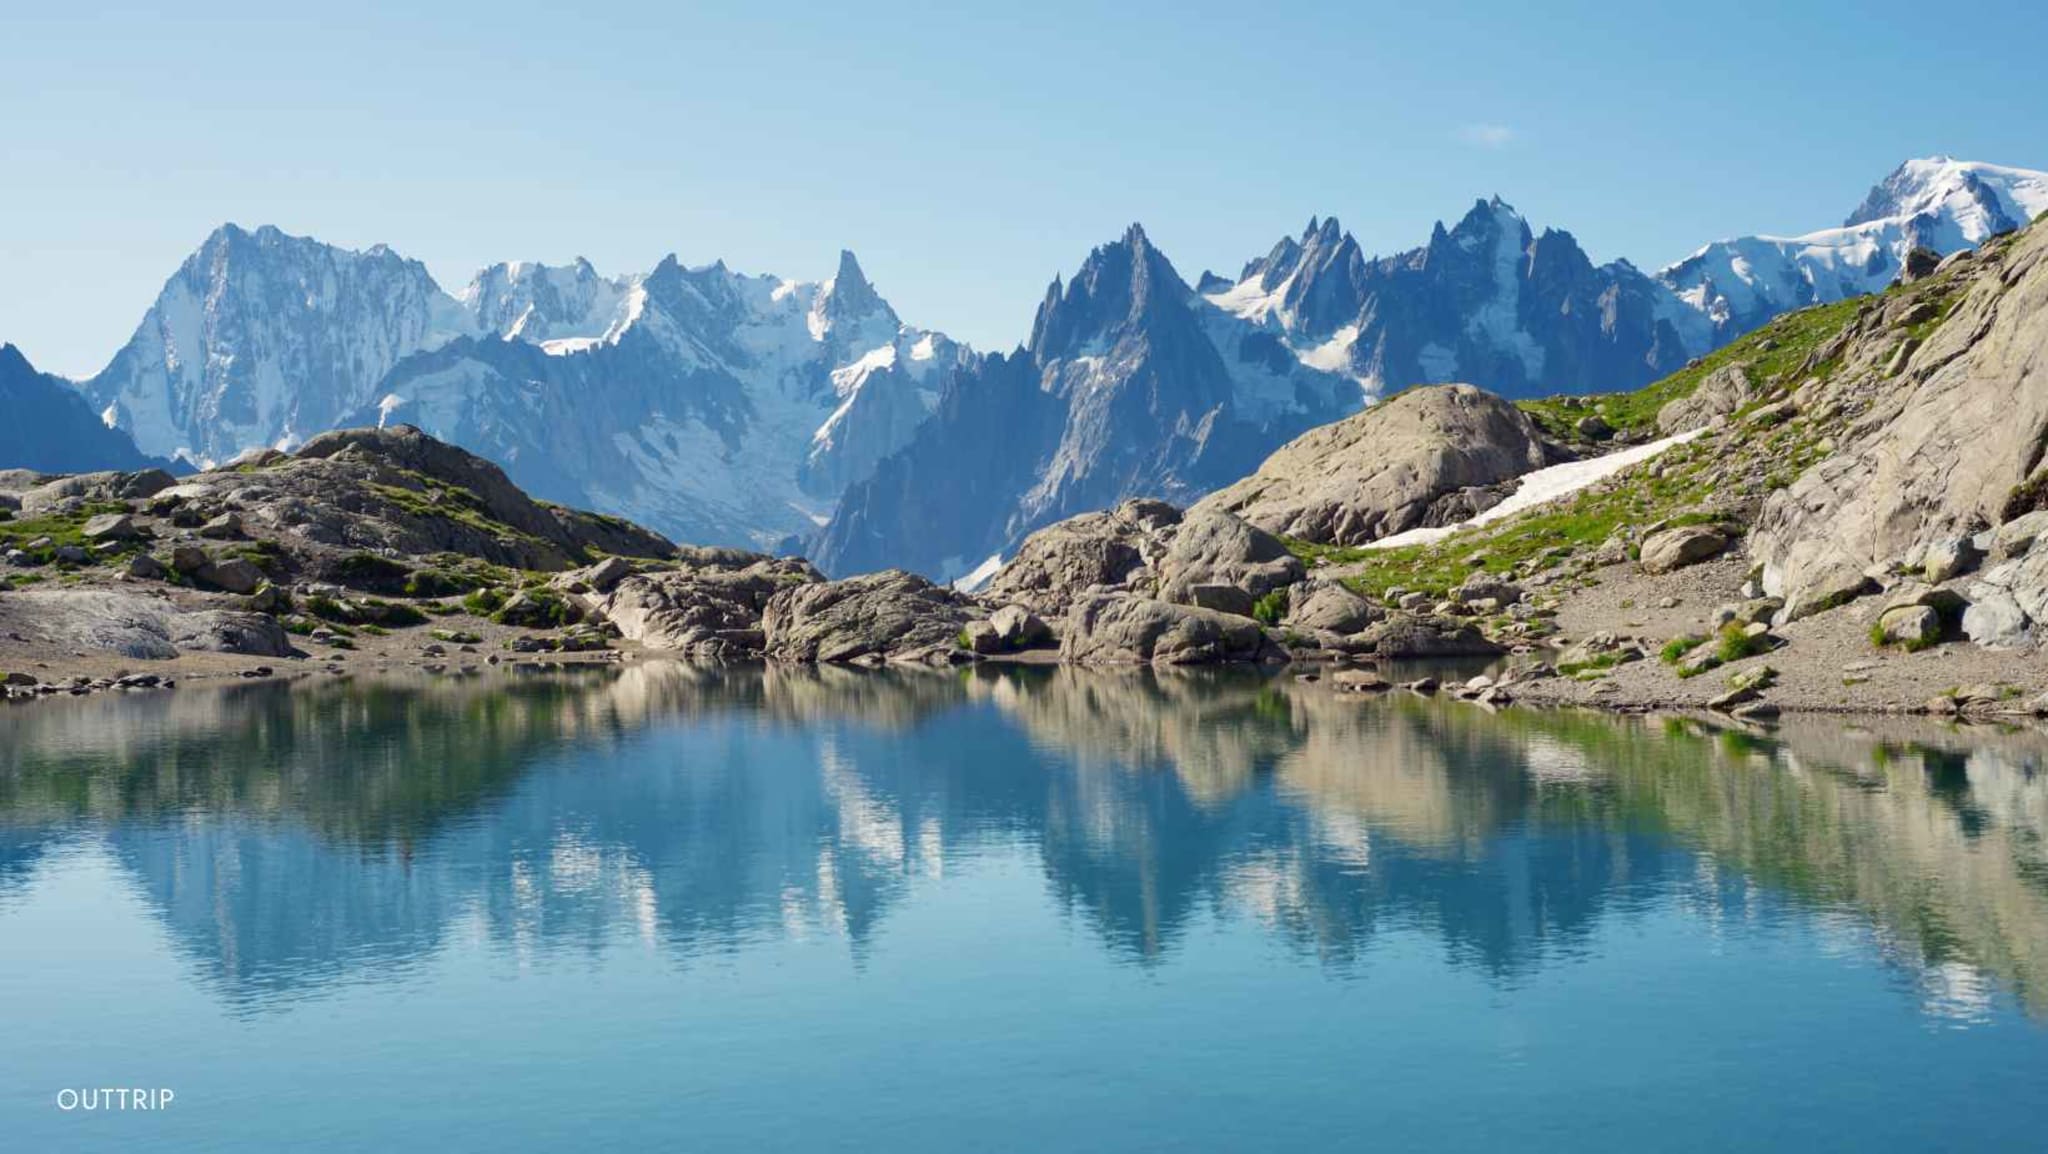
[1768, 355]
[1678, 647]
[1268, 610]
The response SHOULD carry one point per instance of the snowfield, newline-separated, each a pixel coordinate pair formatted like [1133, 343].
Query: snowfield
[1542, 487]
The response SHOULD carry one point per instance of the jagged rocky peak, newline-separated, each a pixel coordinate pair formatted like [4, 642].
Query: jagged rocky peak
[1119, 284]
[849, 297]
[537, 302]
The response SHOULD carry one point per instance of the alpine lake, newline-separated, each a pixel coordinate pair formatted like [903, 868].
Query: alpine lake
[668, 907]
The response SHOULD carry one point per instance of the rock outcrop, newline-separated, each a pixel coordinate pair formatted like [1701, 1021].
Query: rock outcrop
[1105, 629]
[709, 605]
[1953, 440]
[1431, 455]
[891, 616]
[1064, 560]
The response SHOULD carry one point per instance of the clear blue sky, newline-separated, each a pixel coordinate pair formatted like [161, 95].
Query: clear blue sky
[967, 157]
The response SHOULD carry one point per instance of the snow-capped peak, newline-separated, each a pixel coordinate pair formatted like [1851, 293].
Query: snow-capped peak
[1982, 199]
[1936, 203]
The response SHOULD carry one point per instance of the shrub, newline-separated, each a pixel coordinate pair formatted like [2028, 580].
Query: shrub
[1678, 647]
[1268, 610]
[1735, 644]
[484, 602]
[370, 571]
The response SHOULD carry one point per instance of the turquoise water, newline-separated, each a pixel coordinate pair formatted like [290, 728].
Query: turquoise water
[681, 909]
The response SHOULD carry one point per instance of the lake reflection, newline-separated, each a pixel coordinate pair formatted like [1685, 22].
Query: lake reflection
[313, 841]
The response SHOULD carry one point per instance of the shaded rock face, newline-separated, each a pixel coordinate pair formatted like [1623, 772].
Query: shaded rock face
[891, 616]
[1952, 439]
[1116, 630]
[51, 427]
[709, 606]
[1388, 468]
[1094, 550]
[1131, 384]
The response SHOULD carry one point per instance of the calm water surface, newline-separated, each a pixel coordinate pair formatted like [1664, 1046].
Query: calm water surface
[1042, 910]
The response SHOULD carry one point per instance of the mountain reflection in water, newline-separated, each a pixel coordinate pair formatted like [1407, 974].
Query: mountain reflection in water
[293, 836]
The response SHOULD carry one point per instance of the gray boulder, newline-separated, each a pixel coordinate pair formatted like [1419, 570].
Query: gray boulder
[1913, 626]
[891, 616]
[234, 574]
[224, 631]
[1994, 619]
[1062, 561]
[1388, 468]
[1326, 606]
[1123, 630]
[1019, 628]
[1215, 548]
[1676, 548]
[1408, 635]
[111, 527]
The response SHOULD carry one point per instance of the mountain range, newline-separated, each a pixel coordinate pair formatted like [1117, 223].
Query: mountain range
[728, 408]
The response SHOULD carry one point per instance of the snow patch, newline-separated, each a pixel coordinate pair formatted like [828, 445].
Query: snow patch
[1540, 487]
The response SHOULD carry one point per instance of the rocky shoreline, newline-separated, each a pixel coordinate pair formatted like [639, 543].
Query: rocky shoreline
[1838, 513]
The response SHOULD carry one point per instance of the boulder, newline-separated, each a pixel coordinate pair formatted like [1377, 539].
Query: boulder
[981, 637]
[1948, 558]
[1407, 635]
[1919, 263]
[234, 574]
[1326, 605]
[1222, 598]
[1718, 394]
[222, 631]
[1912, 626]
[111, 527]
[888, 616]
[144, 567]
[1111, 629]
[1019, 628]
[1062, 561]
[1674, 549]
[1216, 548]
[709, 606]
[1425, 456]
[226, 527]
[2017, 536]
[1994, 619]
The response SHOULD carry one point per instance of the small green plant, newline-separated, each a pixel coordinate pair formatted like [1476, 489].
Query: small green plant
[484, 602]
[328, 609]
[1736, 643]
[962, 640]
[1678, 647]
[396, 613]
[1268, 610]
[370, 571]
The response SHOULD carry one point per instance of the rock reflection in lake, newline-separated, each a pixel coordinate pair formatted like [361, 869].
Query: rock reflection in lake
[292, 836]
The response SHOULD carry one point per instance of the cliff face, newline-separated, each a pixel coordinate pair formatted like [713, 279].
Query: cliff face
[1946, 391]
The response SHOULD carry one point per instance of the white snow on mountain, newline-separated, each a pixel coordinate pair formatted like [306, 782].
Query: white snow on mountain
[1936, 203]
